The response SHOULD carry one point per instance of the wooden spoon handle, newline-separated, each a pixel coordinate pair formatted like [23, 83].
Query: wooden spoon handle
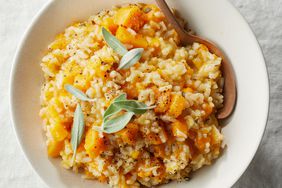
[172, 20]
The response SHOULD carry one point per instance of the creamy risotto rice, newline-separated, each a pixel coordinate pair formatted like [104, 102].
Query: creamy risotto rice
[180, 135]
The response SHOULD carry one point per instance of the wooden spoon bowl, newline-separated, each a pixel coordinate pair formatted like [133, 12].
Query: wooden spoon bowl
[229, 88]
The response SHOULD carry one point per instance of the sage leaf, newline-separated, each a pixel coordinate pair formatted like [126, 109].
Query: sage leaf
[113, 109]
[121, 97]
[133, 106]
[118, 123]
[113, 42]
[77, 93]
[77, 130]
[130, 58]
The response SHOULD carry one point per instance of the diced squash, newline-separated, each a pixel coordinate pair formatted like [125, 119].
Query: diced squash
[123, 35]
[139, 41]
[201, 143]
[159, 151]
[81, 82]
[129, 133]
[188, 89]
[108, 59]
[163, 102]
[150, 11]
[135, 154]
[177, 105]
[179, 129]
[153, 138]
[128, 38]
[208, 110]
[197, 62]
[155, 42]
[100, 71]
[131, 17]
[109, 24]
[70, 70]
[94, 144]
[102, 178]
[59, 132]
[192, 148]
[131, 91]
[54, 148]
[216, 136]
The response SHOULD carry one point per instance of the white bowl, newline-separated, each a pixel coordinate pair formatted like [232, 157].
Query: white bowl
[217, 20]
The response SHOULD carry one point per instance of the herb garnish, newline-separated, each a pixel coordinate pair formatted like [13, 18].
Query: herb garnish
[77, 93]
[77, 130]
[113, 42]
[112, 122]
[129, 57]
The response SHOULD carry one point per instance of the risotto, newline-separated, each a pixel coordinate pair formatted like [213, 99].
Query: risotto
[179, 89]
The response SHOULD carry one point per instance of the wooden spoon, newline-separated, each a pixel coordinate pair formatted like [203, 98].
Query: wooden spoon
[229, 88]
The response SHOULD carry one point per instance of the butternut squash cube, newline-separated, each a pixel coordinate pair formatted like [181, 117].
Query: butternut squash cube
[163, 102]
[179, 129]
[109, 24]
[208, 110]
[129, 133]
[188, 89]
[94, 144]
[59, 132]
[131, 17]
[81, 82]
[177, 105]
[159, 151]
[54, 148]
[128, 38]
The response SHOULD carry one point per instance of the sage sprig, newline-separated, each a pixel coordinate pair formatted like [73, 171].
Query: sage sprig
[130, 58]
[77, 93]
[113, 42]
[118, 123]
[133, 106]
[112, 122]
[77, 130]
[113, 109]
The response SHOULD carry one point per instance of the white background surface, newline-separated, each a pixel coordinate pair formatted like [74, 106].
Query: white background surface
[264, 16]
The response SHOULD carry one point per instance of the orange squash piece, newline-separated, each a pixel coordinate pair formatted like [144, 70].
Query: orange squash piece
[177, 105]
[131, 17]
[179, 129]
[59, 132]
[153, 138]
[129, 133]
[163, 102]
[126, 37]
[109, 24]
[208, 110]
[54, 148]
[94, 144]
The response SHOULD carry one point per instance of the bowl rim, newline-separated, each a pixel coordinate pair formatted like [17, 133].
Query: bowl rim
[15, 63]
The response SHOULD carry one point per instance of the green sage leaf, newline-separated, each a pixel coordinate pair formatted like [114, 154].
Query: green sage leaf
[130, 58]
[77, 93]
[113, 109]
[113, 42]
[77, 129]
[118, 123]
[133, 106]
